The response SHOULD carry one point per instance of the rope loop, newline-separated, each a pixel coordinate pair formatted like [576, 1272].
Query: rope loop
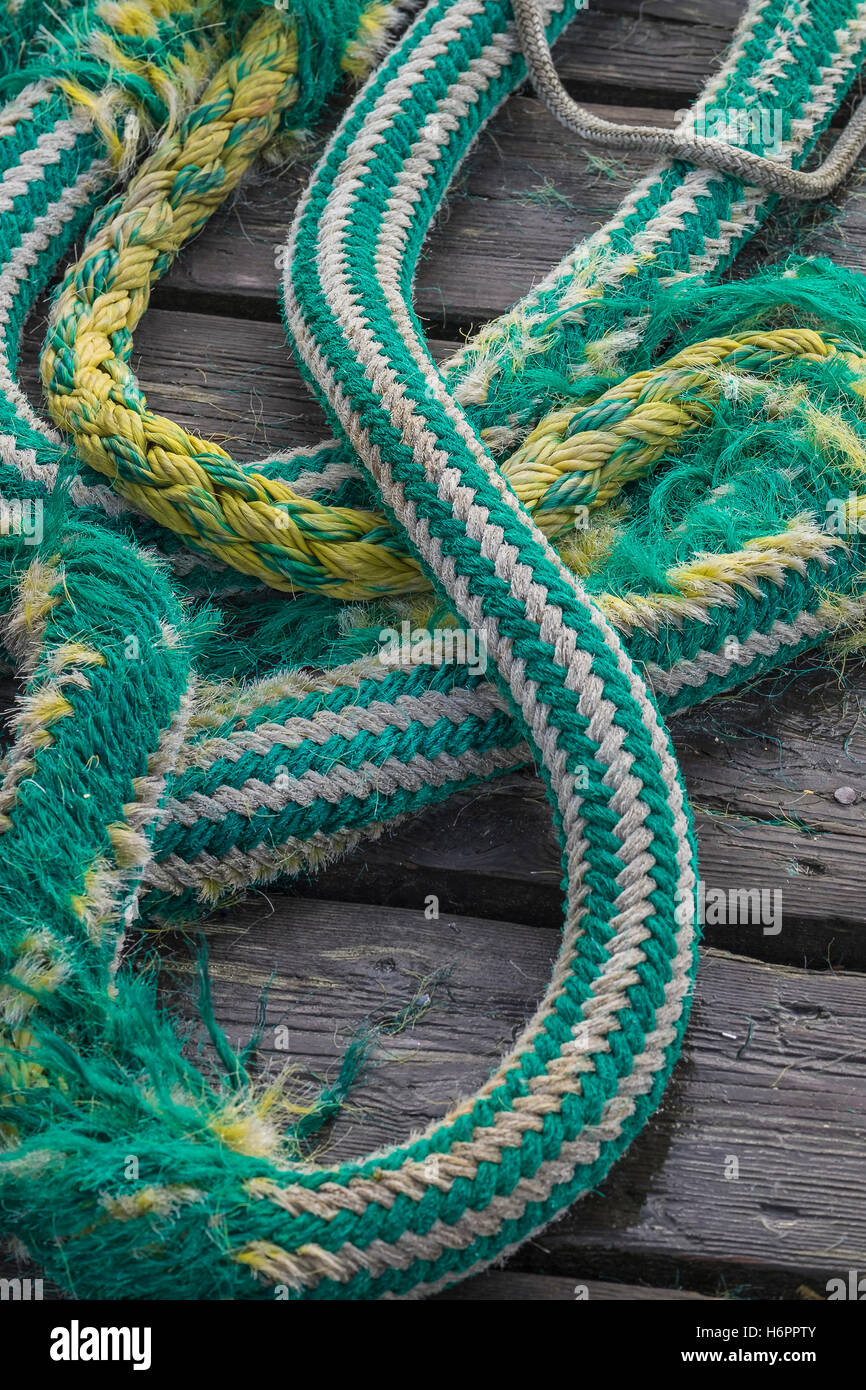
[95, 1070]
[583, 455]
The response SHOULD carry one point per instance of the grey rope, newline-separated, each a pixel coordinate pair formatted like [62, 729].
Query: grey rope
[754, 169]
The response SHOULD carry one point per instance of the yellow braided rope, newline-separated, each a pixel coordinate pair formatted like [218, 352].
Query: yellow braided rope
[643, 417]
[187, 484]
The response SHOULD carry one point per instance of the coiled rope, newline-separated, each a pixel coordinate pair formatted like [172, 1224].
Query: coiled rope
[219, 1195]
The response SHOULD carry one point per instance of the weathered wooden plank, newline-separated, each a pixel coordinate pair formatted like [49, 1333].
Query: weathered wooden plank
[528, 193]
[230, 380]
[779, 1048]
[724, 14]
[771, 1085]
[639, 55]
[620, 51]
[784, 748]
[492, 850]
[840, 231]
[617, 53]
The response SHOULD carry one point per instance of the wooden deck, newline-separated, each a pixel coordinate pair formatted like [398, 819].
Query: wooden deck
[771, 1083]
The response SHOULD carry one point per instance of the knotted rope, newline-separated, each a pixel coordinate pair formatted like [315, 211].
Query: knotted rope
[221, 1194]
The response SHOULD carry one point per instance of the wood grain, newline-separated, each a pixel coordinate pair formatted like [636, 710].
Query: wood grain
[492, 850]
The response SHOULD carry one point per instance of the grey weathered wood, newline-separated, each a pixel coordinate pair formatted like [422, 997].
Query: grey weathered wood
[660, 58]
[772, 1075]
[230, 380]
[640, 56]
[528, 193]
[840, 233]
[723, 14]
[492, 850]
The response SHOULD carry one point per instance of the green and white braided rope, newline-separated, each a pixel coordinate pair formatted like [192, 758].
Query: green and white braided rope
[396, 1223]
[222, 861]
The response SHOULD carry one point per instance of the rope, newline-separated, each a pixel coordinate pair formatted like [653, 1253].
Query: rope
[583, 456]
[262, 527]
[223, 1207]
